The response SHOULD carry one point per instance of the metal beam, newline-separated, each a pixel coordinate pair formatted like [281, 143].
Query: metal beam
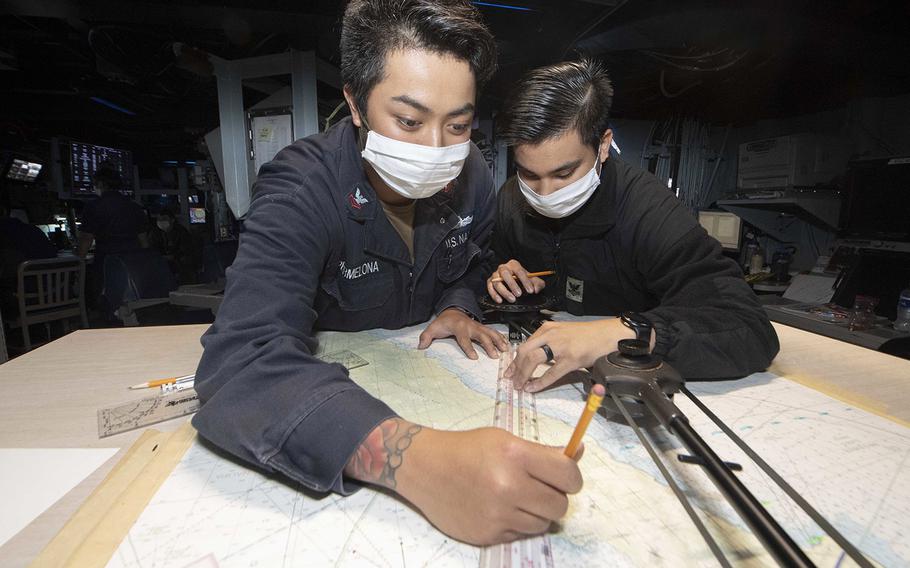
[234, 153]
[304, 69]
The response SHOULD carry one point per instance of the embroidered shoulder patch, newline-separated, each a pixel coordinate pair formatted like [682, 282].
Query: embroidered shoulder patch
[575, 289]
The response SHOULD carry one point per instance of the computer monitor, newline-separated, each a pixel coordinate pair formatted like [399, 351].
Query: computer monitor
[877, 204]
[880, 274]
[723, 226]
[23, 170]
[85, 159]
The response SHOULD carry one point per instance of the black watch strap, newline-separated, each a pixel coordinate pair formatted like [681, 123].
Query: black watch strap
[637, 323]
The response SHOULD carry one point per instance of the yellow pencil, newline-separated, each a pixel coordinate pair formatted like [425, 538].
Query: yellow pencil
[159, 382]
[595, 397]
[530, 275]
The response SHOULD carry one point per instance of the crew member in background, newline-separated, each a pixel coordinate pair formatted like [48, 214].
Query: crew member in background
[19, 241]
[114, 222]
[618, 241]
[176, 245]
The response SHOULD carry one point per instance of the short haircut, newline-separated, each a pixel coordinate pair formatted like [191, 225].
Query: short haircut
[372, 29]
[108, 175]
[550, 101]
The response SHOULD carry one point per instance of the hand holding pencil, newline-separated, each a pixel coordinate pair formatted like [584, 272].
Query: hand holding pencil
[512, 279]
[595, 398]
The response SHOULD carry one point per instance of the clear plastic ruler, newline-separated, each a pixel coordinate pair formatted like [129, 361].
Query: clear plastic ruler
[145, 411]
[179, 400]
[516, 412]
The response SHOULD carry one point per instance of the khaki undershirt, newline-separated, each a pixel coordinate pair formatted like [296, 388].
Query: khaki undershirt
[402, 218]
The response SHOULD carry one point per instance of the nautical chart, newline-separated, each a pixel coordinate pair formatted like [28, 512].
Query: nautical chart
[854, 467]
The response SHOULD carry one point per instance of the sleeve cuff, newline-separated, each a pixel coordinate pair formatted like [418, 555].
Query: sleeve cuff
[317, 450]
[662, 337]
[464, 300]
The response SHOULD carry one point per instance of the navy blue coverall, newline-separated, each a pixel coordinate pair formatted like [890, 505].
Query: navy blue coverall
[318, 253]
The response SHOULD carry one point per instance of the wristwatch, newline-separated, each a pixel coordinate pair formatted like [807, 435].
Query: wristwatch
[637, 323]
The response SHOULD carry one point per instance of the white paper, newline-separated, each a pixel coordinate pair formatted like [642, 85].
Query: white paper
[814, 288]
[270, 134]
[31, 480]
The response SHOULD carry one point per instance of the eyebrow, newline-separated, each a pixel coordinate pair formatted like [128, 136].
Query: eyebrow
[417, 105]
[566, 166]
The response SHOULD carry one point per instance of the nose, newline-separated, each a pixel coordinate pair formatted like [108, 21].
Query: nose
[544, 187]
[435, 137]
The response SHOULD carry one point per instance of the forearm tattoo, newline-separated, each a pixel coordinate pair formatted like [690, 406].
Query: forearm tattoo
[379, 456]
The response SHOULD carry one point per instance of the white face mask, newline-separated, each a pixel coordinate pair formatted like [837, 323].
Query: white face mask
[412, 170]
[565, 200]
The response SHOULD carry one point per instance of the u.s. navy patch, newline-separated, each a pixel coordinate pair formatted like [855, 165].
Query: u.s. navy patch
[575, 289]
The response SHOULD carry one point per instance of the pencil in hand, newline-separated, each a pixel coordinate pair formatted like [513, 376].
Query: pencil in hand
[595, 397]
[530, 275]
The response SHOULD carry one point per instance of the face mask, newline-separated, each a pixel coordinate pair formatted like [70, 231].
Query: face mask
[412, 170]
[566, 200]
[164, 226]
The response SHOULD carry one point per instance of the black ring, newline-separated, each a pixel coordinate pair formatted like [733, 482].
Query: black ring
[548, 351]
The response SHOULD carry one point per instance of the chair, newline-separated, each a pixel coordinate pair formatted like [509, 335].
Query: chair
[49, 290]
[135, 280]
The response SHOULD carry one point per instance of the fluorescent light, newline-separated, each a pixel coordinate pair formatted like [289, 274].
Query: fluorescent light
[111, 105]
[503, 6]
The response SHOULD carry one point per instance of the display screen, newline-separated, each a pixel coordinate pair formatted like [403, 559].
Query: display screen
[22, 170]
[723, 226]
[85, 159]
[878, 199]
[197, 215]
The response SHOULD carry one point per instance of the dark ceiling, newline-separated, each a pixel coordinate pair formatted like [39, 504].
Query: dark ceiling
[60, 61]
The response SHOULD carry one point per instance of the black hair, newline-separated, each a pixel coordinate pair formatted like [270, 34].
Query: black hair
[372, 29]
[550, 101]
[108, 175]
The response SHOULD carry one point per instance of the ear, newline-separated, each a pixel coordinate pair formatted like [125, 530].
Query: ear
[605, 141]
[352, 105]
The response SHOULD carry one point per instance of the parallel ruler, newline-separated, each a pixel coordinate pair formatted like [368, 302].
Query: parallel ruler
[153, 409]
[516, 412]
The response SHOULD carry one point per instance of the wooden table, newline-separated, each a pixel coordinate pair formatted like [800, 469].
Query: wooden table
[50, 396]
[867, 379]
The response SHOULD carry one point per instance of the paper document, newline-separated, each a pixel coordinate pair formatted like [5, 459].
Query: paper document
[31, 480]
[814, 288]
